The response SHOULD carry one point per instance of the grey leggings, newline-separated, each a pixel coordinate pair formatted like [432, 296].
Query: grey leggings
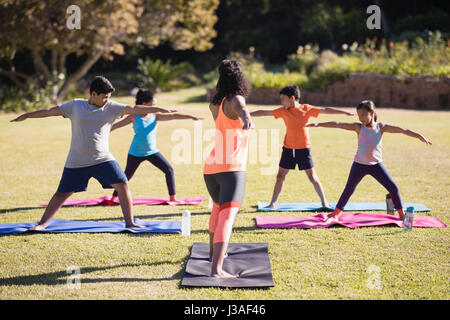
[226, 187]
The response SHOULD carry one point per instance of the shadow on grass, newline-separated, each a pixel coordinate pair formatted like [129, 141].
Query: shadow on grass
[193, 99]
[385, 233]
[19, 209]
[151, 216]
[235, 229]
[61, 277]
[318, 210]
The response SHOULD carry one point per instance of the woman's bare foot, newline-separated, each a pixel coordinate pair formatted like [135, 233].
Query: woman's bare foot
[38, 227]
[271, 206]
[134, 225]
[332, 218]
[223, 274]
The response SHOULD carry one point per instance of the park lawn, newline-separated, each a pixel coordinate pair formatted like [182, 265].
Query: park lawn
[333, 263]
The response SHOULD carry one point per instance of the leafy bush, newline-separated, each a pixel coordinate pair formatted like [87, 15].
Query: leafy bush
[304, 60]
[13, 99]
[311, 70]
[162, 76]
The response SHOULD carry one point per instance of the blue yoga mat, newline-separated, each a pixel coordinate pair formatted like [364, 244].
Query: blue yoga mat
[60, 226]
[351, 206]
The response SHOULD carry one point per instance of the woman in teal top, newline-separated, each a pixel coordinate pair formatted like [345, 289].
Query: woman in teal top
[143, 147]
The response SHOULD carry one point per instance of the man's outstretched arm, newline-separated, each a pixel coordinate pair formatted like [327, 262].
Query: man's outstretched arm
[43, 113]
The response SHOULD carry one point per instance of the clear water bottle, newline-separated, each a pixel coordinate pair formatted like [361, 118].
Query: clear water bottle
[186, 223]
[408, 219]
[210, 204]
[389, 204]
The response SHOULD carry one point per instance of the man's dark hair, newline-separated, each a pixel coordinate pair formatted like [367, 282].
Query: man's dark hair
[101, 85]
[291, 90]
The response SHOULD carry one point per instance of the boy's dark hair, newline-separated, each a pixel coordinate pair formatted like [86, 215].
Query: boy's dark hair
[368, 105]
[232, 81]
[144, 96]
[291, 90]
[101, 85]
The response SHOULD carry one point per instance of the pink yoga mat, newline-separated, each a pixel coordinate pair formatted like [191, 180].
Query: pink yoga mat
[350, 220]
[137, 201]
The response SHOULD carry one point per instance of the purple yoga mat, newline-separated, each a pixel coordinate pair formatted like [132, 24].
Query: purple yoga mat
[350, 220]
[137, 201]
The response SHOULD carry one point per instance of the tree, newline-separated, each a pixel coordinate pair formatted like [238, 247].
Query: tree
[39, 29]
[323, 20]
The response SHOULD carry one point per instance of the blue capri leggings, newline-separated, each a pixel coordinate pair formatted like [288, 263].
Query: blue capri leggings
[378, 171]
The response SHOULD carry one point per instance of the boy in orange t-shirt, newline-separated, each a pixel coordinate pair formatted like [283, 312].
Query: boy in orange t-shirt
[297, 145]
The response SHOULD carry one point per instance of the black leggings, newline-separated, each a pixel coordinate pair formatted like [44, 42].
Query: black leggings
[158, 161]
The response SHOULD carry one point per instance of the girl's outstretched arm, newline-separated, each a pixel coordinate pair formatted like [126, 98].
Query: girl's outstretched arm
[175, 116]
[43, 113]
[330, 110]
[395, 129]
[261, 113]
[122, 123]
[142, 109]
[334, 124]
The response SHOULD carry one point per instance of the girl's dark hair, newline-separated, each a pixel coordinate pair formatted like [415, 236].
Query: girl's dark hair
[101, 85]
[144, 96]
[231, 81]
[291, 90]
[369, 106]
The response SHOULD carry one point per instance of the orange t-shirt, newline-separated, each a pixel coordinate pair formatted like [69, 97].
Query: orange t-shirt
[295, 118]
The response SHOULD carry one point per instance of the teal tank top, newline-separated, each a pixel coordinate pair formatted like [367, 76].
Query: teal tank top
[144, 140]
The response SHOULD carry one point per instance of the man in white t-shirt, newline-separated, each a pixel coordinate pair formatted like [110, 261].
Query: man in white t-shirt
[89, 154]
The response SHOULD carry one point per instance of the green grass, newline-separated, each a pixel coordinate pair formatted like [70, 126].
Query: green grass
[306, 264]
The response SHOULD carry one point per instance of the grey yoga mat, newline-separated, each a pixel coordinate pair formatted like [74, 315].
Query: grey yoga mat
[249, 260]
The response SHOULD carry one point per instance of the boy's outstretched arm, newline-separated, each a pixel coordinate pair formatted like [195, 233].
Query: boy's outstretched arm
[330, 110]
[175, 116]
[141, 109]
[261, 113]
[395, 129]
[43, 113]
[334, 124]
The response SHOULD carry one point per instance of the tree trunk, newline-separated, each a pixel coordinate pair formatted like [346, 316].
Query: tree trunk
[39, 65]
[93, 58]
[14, 75]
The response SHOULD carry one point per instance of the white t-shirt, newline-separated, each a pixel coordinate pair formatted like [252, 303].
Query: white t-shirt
[91, 126]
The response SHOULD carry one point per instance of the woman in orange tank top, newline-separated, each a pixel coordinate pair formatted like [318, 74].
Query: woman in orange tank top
[225, 167]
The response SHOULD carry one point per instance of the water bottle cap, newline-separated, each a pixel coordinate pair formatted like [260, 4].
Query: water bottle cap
[410, 209]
